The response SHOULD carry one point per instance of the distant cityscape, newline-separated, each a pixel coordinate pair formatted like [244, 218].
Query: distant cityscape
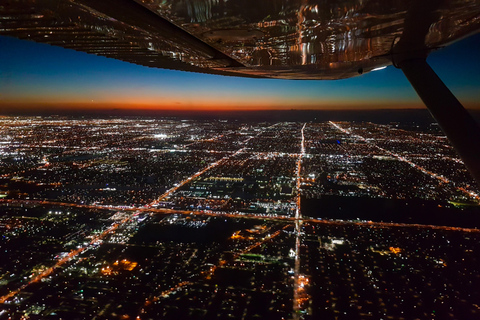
[163, 218]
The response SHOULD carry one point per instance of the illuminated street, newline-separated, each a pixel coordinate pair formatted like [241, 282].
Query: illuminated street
[298, 230]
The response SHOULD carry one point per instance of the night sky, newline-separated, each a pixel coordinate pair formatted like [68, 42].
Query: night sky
[39, 76]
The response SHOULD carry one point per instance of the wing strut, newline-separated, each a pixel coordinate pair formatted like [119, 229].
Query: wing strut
[457, 124]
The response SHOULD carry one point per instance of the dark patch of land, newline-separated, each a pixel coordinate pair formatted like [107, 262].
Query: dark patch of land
[415, 211]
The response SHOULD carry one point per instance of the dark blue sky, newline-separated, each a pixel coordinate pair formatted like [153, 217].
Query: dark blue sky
[33, 74]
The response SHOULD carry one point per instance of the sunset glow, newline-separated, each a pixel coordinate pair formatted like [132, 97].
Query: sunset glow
[39, 77]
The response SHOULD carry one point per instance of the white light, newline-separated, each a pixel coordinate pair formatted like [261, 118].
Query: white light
[379, 68]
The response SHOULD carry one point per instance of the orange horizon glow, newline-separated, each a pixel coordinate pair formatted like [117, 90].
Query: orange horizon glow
[59, 106]
[204, 106]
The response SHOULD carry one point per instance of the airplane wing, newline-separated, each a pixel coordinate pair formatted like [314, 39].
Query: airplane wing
[287, 39]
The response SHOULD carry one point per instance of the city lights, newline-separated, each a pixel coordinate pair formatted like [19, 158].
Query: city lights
[227, 219]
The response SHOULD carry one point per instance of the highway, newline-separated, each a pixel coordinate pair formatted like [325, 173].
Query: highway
[61, 261]
[298, 230]
[237, 215]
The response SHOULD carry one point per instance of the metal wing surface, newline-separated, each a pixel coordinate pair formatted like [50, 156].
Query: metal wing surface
[287, 39]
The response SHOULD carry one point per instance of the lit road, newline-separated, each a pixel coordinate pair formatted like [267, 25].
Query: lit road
[242, 215]
[401, 158]
[72, 254]
[196, 175]
[298, 230]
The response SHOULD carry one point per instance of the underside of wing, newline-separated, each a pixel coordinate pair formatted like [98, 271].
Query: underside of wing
[287, 39]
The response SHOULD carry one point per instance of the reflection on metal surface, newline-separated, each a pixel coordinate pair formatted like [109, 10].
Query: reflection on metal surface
[304, 39]
[379, 68]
